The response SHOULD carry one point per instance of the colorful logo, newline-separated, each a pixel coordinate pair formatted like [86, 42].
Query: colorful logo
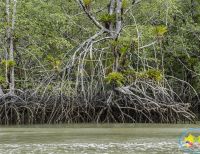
[190, 141]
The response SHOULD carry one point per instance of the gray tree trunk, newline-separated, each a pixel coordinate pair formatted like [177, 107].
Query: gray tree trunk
[1, 91]
[7, 37]
[11, 53]
[118, 18]
[118, 12]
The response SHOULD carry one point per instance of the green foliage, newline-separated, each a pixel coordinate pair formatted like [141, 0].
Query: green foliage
[152, 74]
[115, 78]
[155, 74]
[161, 30]
[2, 80]
[8, 63]
[129, 72]
[130, 75]
[123, 44]
[107, 18]
[43, 26]
[55, 63]
[124, 4]
[87, 2]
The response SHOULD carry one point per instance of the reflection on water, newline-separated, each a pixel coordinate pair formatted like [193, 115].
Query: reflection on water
[91, 139]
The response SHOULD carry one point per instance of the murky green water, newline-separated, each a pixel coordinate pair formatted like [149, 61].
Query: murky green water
[92, 139]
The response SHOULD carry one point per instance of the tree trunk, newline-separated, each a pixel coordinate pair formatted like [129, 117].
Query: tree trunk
[1, 91]
[11, 53]
[111, 11]
[117, 32]
[118, 18]
[7, 38]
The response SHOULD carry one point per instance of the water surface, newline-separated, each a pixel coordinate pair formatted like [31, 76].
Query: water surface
[92, 139]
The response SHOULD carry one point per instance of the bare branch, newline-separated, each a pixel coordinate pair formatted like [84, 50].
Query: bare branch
[92, 18]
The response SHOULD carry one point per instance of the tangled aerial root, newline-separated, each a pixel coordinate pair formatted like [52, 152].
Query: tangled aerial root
[139, 102]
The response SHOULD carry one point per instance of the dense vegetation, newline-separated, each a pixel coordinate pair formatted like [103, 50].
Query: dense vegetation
[99, 61]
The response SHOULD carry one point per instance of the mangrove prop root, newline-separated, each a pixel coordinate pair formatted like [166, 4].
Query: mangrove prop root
[140, 102]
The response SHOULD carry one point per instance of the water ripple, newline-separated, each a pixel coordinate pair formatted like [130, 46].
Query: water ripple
[168, 147]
